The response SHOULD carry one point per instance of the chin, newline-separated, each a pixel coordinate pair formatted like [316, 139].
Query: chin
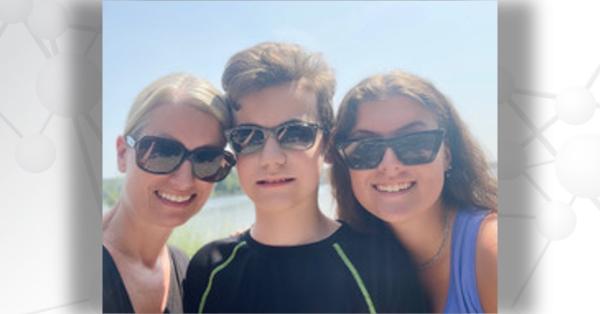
[274, 203]
[170, 218]
[392, 214]
[174, 221]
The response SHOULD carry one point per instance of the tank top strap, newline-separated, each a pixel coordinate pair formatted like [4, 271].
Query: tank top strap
[463, 296]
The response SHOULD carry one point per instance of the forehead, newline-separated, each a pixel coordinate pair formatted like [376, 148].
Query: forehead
[191, 126]
[393, 115]
[274, 105]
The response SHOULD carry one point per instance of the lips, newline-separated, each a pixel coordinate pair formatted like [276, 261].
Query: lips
[394, 187]
[274, 181]
[174, 199]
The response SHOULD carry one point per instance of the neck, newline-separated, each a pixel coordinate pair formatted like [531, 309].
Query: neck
[132, 237]
[297, 225]
[423, 234]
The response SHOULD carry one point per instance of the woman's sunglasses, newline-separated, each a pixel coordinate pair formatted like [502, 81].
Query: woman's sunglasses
[411, 149]
[159, 155]
[249, 138]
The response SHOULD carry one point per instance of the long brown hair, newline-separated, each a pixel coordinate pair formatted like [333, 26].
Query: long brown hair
[470, 181]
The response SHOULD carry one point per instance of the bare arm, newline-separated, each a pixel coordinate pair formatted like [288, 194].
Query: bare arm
[487, 263]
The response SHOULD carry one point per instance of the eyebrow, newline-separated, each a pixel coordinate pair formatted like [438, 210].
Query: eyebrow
[407, 128]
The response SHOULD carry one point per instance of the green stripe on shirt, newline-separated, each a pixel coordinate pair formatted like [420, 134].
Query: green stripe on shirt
[214, 273]
[356, 276]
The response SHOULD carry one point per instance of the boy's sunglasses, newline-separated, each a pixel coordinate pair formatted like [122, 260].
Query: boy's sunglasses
[159, 155]
[249, 138]
[411, 149]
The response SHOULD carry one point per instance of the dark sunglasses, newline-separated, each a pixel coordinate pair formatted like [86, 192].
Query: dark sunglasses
[249, 138]
[411, 149]
[159, 155]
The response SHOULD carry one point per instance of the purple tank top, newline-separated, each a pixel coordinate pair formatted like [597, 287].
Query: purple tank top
[463, 296]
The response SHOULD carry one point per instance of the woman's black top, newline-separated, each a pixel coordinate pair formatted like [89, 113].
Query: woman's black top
[115, 298]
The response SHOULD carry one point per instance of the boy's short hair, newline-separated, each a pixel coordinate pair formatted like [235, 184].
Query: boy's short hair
[270, 64]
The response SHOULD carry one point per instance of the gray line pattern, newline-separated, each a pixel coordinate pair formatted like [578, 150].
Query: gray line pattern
[91, 44]
[534, 93]
[532, 126]
[93, 126]
[572, 200]
[54, 47]
[11, 125]
[39, 42]
[539, 164]
[57, 306]
[535, 266]
[88, 164]
[593, 78]
[537, 187]
[541, 130]
[50, 115]
[3, 28]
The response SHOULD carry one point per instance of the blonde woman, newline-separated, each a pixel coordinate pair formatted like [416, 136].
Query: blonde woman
[171, 153]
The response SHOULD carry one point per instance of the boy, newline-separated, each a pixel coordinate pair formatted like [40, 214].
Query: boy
[293, 258]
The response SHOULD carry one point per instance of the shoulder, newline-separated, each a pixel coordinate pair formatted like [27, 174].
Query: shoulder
[215, 252]
[205, 261]
[180, 260]
[487, 240]
[487, 261]
[387, 270]
[380, 250]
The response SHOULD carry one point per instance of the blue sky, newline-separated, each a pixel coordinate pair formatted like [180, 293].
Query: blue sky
[453, 44]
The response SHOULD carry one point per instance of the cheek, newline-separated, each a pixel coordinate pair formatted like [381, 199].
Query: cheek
[361, 187]
[433, 179]
[138, 186]
[204, 190]
[245, 166]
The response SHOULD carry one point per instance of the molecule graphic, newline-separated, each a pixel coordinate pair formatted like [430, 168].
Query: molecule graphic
[68, 85]
[577, 162]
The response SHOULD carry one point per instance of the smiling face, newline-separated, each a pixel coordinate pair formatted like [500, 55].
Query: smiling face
[168, 200]
[392, 191]
[275, 178]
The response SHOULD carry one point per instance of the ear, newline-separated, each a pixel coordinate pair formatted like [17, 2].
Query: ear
[121, 153]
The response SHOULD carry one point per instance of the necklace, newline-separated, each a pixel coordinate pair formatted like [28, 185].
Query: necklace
[438, 254]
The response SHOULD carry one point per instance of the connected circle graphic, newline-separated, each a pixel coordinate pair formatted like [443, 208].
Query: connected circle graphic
[35, 153]
[576, 163]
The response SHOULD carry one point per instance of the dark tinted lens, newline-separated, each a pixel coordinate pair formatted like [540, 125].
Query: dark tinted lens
[158, 155]
[207, 162]
[246, 139]
[418, 148]
[227, 162]
[296, 136]
[363, 154]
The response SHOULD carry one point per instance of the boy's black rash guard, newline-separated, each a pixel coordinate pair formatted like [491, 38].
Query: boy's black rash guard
[346, 272]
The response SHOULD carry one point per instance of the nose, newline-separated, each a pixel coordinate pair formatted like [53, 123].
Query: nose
[272, 156]
[389, 163]
[183, 178]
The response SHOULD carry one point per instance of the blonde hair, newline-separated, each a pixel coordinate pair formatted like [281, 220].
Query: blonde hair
[176, 89]
[271, 64]
[470, 181]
